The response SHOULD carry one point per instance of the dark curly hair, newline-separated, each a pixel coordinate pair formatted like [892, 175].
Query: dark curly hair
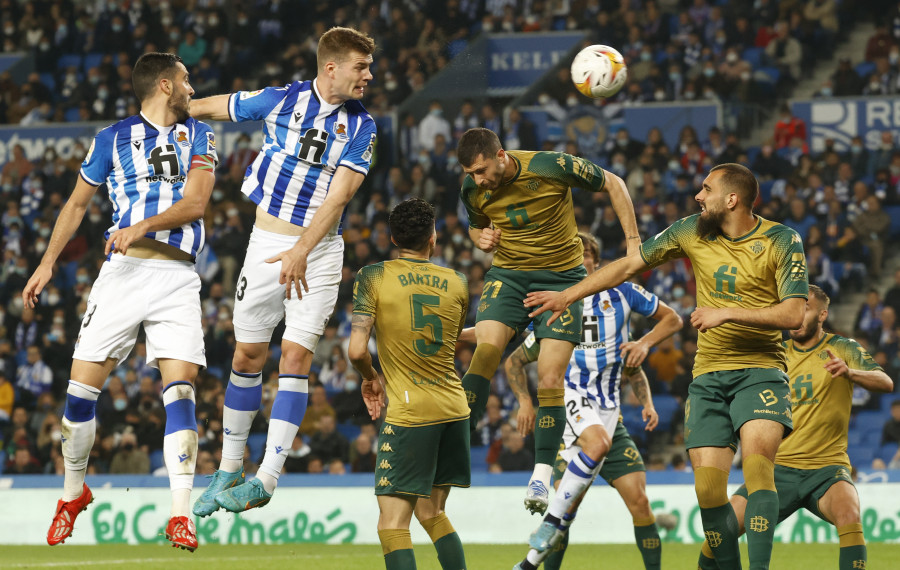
[412, 224]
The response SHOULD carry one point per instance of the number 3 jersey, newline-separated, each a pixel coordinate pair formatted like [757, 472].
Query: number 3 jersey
[305, 140]
[595, 370]
[145, 167]
[419, 310]
[820, 403]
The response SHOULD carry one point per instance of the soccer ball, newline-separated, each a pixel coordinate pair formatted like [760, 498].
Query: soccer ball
[599, 71]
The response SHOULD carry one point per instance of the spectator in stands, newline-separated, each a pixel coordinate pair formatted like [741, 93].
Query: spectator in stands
[23, 463]
[769, 165]
[892, 297]
[327, 443]
[362, 457]
[873, 225]
[514, 456]
[34, 377]
[880, 43]
[662, 361]
[786, 52]
[520, 132]
[128, 457]
[318, 407]
[788, 127]
[846, 82]
[880, 158]
[7, 399]
[868, 318]
[800, 220]
[432, 125]
[348, 404]
[466, 119]
[891, 431]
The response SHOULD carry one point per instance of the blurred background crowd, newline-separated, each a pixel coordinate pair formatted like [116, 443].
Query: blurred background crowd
[745, 55]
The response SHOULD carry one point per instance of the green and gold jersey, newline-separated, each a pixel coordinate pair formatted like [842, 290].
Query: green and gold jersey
[757, 270]
[821, 403]
[419, 310]
[534, 210]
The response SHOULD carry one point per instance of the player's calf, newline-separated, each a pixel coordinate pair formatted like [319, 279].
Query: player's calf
[180, 444]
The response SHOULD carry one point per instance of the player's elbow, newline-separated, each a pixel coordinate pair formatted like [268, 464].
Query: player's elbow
[357, 354]
[886, 385]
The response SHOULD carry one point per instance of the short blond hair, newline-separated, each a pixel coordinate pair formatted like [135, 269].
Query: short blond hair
[337, 44]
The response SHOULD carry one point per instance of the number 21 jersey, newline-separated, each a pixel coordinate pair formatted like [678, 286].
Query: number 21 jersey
[305, 140]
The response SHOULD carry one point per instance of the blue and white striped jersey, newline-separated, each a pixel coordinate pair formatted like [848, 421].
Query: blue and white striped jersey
[305, 141]
[595, 371]
[145, 167]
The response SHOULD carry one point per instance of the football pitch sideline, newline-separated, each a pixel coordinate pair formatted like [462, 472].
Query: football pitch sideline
[368, 557]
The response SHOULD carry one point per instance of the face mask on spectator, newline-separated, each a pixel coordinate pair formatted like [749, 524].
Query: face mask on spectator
[660, 95]
[709, 71]
[874, 86]
[646, 56]
[745, 76]
[82, 279]
[674, 76]
[243, 145]
[217, 195]
[40, 246]
[120, 404]
[213, 21]
[350, 385]
[572, 101]
[731, 57]
[826, 91]
[95, 218]
[52, 298]
[231, 212]
[116, 28]
[856, 148]
[218, 220]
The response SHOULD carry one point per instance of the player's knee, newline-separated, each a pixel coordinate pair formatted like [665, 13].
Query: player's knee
[295, 360]
[639, 506]
[711, 485]
[248, 358]
[598, 445]
[759, 473]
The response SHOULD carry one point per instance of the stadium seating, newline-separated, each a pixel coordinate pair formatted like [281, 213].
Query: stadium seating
[887, 452]
[666, 406]
[156, 460]
[348, 430]
[861, 455]
[479, 458]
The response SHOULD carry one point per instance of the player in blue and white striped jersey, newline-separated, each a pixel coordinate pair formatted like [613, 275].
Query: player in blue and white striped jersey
[158, 167]
[318, 144]
[592, 395]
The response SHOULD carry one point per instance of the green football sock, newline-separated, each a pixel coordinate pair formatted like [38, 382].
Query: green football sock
[647, 538]
[549, 424]
[721, 529]
[450, 552]
[477, 379]
[853, 547]
[396, 545]
[760, 520]
[400, 560]
[706, 562]
[853, 557]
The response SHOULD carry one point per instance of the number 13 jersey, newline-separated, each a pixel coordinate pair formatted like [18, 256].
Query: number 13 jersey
[419, 310]
[305, 140]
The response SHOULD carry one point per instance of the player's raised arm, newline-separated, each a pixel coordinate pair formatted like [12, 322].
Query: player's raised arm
[607, 277]
[211, 108]
[624, 208]
[870, 377]
[667, 323]
[66, 224]
[786, 315]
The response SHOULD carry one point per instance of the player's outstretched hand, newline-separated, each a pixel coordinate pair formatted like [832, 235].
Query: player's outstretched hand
[121, 240]
[651, 418]
[634, 353]
[35, 285]
[373, 396]
[553, 301]
[705, 318]
[525, 418]
[490, 238]
[293, 271]
[836, 365]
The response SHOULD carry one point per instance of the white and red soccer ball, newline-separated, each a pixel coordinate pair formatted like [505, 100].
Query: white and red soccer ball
[599, 71]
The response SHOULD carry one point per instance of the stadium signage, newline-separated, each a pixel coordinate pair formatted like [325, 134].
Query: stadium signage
[516, 61]
[843, 118]
[347, 515]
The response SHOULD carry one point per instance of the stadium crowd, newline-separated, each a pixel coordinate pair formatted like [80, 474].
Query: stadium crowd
[834, 199]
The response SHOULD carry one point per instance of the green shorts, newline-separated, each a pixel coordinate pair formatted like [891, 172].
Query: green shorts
[802, 488]
[412, 460]
[505, 290]
[720, 402]
[623, 458]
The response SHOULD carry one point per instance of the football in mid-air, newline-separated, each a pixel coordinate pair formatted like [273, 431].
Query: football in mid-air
[599, 71]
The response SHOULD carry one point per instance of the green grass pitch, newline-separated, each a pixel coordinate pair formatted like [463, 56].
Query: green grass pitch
[351, 557]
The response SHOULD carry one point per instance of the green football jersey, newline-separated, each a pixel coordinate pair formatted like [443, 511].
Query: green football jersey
[757, 270]
[419, 310]
[820, 403]
[534, 210]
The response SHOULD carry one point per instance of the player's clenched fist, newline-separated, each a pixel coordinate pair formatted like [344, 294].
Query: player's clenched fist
[489, 240]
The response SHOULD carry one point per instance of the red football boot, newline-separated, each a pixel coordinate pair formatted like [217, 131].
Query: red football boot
[64, 519]
[182, 533]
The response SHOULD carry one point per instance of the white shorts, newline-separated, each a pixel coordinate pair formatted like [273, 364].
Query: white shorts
[259, 299]
[581, 413]
[162, 295]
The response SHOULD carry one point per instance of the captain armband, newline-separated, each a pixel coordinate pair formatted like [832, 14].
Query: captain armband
[203, 162]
